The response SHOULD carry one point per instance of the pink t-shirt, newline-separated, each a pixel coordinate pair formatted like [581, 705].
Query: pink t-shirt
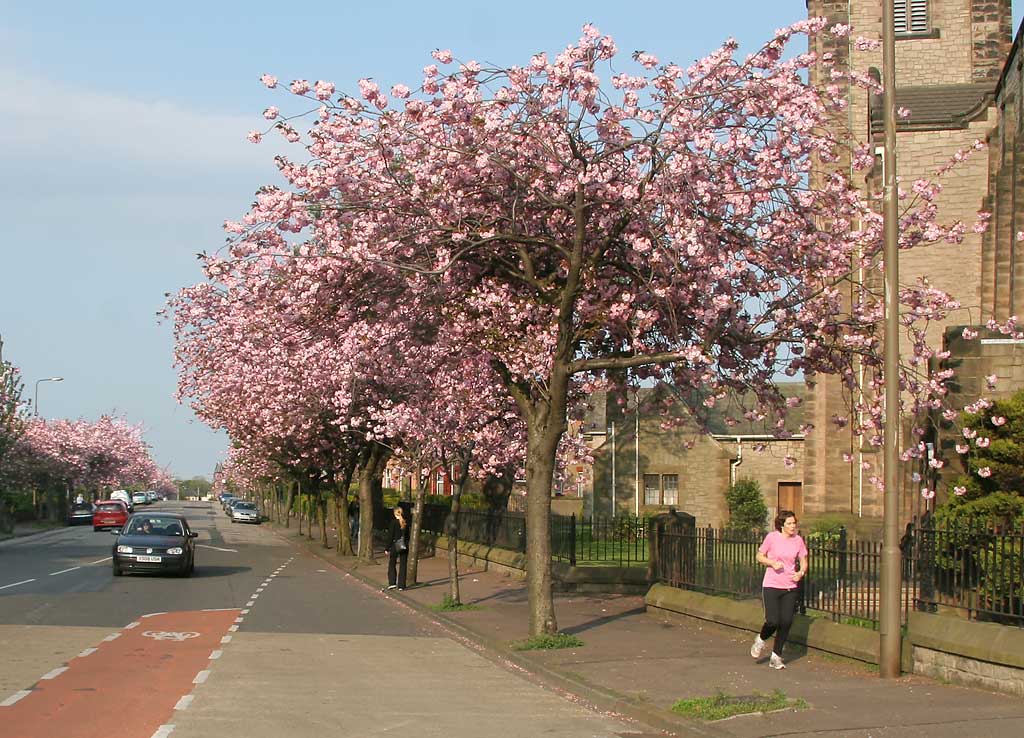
[787, 549]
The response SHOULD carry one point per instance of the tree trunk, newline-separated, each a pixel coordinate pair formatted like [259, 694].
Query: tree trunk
[540, 466]
[322, 508]
[298, 485]
[371, 466]
[345, 542]
[412, 571]
[289, 503]
[453, 528]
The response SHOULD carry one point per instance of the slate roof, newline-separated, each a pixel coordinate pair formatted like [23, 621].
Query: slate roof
[936, 106]
[596, 421]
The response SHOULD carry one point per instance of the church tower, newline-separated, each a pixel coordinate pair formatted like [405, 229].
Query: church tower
[949, 58]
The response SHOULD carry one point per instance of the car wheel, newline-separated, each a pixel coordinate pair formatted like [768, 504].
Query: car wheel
[96, 529]
[117, 570]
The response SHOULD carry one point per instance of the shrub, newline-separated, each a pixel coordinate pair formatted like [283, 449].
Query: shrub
[747, 511]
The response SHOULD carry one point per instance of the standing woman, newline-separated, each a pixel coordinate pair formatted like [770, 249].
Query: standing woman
[779, 552]
[398, 548]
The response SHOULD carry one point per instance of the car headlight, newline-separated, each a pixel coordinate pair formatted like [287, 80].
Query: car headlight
[175, 550]
[124, 549]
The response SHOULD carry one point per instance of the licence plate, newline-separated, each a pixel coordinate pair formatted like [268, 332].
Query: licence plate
[148, 559]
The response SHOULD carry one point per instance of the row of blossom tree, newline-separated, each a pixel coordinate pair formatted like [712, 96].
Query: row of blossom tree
[54, 461]
[451, 270]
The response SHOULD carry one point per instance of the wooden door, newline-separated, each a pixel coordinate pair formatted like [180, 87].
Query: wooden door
[791, 497]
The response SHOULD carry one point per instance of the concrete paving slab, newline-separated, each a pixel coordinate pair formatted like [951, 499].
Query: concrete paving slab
[355, 685]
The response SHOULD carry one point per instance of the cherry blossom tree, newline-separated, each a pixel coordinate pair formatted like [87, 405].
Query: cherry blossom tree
[661, 224]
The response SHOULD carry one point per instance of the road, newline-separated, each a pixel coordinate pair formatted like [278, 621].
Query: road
[263, 640]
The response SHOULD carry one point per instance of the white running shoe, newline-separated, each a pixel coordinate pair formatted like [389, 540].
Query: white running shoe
[758, 648]
[776, 661]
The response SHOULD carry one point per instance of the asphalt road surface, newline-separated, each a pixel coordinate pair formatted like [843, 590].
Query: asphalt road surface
[261, 641]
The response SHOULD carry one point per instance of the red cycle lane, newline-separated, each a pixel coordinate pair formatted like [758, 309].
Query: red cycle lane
[128, 687]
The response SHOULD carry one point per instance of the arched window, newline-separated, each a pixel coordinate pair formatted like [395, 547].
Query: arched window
[910, 16]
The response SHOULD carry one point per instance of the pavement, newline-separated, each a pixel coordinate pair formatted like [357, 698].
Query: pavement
[634, 666]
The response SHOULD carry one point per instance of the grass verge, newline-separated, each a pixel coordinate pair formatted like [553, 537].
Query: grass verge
[723, 706]
[546, 641]
[447, 604]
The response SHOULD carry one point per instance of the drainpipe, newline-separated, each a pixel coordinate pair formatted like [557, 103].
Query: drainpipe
[636, 497]
[736, 462]
[613, 469]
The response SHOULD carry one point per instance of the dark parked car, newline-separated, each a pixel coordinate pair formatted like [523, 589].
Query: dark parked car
[80, 514]
[155, 543]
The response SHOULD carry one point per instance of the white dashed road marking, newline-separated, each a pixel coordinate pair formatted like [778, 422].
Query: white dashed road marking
[86, 652]
[184, 702]
[163, 731]
[64, 571]
[23, 581]
[201, 676]
[55, 673]
[15, 697]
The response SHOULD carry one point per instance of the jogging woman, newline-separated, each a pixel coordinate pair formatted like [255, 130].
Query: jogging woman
[779, 552]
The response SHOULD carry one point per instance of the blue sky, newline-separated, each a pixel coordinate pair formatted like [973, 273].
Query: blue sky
[122, 147]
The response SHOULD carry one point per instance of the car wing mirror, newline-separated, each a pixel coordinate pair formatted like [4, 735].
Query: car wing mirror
[115, 531]
[193, 534]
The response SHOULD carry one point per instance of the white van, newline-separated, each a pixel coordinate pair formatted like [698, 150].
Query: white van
[125, 497]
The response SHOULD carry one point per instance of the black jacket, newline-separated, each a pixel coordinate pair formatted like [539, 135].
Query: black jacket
[395, 531]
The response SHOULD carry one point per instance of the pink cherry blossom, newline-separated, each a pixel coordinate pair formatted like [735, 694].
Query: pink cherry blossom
[255, 136]
[985, 472]
[959, 491]
[269, 80]
[271, 113]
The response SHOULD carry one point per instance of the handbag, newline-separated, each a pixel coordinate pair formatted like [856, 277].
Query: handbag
[400, 545]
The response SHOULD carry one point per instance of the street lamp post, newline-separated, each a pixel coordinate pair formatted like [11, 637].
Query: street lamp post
[889, 605]
[35, 405]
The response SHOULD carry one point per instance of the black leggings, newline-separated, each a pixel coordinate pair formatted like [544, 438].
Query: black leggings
[779, 608]
[399, 561]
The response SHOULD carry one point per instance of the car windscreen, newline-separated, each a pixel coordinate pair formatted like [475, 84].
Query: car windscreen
[110, 507]
[245, 505]
[154, 527]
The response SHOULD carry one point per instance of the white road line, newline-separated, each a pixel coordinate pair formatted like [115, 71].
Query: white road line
[245, 612]
[254, 596]
[239, 620]
[153, 614]
[163, 731]
[15, 697]
[233, 628]
[24, 581]
[86, 652]
[216, 548]
[184, 702]
[132, 625]
[55, 673]
[100, 561]
[216, 654]
[250, 603]
[64, 571]
[201, 676]
[217, 609]
[112, 637]
[226, 639]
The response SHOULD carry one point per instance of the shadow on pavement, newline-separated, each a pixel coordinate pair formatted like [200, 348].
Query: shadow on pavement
[597, 622]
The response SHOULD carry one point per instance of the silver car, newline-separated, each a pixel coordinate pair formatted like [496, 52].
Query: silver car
[245, 512]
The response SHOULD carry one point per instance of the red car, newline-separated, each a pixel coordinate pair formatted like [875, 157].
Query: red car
[109, 514]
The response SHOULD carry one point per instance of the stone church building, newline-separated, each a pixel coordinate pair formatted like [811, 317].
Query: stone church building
[959, 74]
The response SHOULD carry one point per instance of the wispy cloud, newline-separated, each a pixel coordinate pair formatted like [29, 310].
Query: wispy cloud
[44, 121]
